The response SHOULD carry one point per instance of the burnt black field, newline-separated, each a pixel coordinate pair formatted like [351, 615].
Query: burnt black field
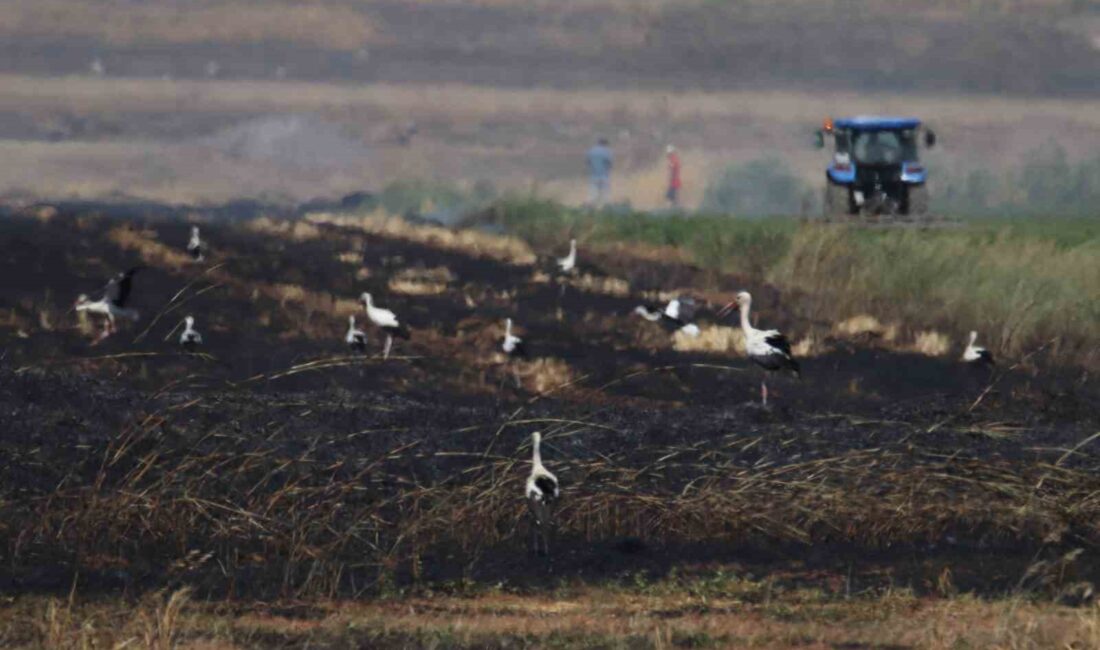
[276, 463]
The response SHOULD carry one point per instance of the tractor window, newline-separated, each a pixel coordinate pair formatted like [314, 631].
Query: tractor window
[883, 147]
[843, 141]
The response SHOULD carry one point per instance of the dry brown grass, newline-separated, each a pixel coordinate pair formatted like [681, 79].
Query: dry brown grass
[145, 243]
[293, 229]
[729, 612]
[712, 338]
[931, 343]
[352, 258]
[154, 623]
[421, 282]
[809, 346]
[545, 375]
[507, 249]
[605, 285]
[865, 325]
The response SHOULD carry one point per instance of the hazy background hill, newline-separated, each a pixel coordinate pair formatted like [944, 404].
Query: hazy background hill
[1021, 47]
[139, 97]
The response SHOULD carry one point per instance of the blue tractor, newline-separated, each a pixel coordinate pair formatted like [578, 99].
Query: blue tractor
[875, 171]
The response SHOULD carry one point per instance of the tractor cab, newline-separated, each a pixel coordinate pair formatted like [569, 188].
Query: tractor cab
[875, 169]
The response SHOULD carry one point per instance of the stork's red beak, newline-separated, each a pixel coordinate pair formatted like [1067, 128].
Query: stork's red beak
[727, 309]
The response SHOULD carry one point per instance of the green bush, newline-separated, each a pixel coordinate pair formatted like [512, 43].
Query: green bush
[1045, 183]
[1021, 281]
[757, 188]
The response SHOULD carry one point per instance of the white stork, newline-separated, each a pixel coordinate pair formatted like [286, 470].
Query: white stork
[976, 355]
[190, 340]
[568, 263]
[541, 491]
[769, 349]
[195, 246]
[385, 320]
[512, 344]
[514, 348]
[113, 303]
[356, 338]
[676, 315]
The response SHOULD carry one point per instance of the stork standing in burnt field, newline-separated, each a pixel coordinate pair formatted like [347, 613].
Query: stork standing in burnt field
[768, 349]
[195, 246]
[385, 320]
[513, 347]
[976, 355]
[190, 340]
[568, 263]
[355, 338]
[113, 303]
[542, 492]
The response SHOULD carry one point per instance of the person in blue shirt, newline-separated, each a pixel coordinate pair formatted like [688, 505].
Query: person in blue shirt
[600, 161]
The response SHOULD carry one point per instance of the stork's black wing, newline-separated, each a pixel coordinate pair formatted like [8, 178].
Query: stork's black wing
[681, 309]
[779, 342]
[118, 288]
[358, 342]
[519, 350]
[548, 487]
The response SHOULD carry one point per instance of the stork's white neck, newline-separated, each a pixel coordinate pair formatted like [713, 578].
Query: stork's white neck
[190, 322]
[745, 326]
[508, 327]
[536, 455]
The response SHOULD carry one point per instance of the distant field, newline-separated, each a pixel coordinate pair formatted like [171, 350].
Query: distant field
[1028, 48]
[179, 140]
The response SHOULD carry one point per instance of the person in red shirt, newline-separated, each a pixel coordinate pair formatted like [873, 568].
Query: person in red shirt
[674, 182]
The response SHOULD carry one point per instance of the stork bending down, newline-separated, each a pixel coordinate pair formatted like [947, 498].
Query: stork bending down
[355, 338]
[113, 303]
[677, 315]
[190, 340]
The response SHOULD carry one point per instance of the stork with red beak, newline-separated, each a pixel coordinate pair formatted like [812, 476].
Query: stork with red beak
[768, 349]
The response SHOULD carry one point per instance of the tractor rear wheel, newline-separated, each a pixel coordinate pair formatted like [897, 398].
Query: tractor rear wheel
[838, 205]
[918, 202]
